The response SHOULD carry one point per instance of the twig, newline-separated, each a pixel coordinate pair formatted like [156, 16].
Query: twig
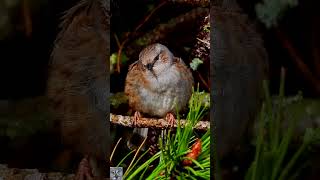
[136, 29]
[316, 60]
[17, 173]
[203, 81]
[135, 156]
[315, 48]
[161, 31]
[117, 40]
[114, 149]
[27, 18]
[152, 122]
[193, 2]
[201, 48]
[203, 41]
[298, 61]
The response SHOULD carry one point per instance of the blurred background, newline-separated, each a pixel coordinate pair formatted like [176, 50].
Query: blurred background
[28, 28]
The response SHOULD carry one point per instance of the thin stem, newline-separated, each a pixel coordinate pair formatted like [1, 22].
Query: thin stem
[135, 156]
[299, 61]
[292, 161]
[114, 149]
[134, 32]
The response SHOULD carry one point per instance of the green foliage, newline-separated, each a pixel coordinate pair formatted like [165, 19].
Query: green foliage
[117, 99]
[312, 136]
[272, 160]
[271, 11]
[143, 41]
[26, 119]
[305, 108]
[205, 98]
[150, 7]
[195, 63]
[174, 147]
[206, 28]
[113, 60]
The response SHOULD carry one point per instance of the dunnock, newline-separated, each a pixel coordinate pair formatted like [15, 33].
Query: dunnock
[77, 85]
[158, 84]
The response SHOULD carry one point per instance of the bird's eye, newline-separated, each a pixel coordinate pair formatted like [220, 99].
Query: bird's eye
[157, 57]
[149, 66]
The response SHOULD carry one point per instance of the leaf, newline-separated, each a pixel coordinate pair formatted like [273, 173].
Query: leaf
[195, 63]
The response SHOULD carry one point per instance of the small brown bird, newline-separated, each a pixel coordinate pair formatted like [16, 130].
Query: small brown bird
[158, 83]
[77, 84]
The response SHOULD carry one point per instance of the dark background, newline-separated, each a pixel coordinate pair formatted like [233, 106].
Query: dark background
[23, 64]
[24, 60]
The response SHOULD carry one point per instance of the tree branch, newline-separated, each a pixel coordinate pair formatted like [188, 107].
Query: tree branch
[16, 173]
[152, 122]
[297, 59]
[128, 35]
[193, 2]
[161, 31]
[315, 47]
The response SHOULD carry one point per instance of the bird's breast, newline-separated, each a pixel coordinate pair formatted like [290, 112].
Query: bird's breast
[166, 93]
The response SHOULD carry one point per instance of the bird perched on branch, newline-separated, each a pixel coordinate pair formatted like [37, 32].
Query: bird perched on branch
[158, 84]
[77, 84]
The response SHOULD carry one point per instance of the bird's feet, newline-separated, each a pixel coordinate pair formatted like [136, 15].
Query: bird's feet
[84, 171]
[136, 117]
[171, 119]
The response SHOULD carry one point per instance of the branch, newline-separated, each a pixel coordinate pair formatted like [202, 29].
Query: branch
[201, 49]
[15, 173]
[316, 58]
[193, 2]
[315, 47]
[27, 18]
[152, 122]
[298, 61]
[161, 32]
[134, 32]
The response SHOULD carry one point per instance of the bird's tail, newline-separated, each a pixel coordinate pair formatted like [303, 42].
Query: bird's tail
[143, 132]
[138, 135]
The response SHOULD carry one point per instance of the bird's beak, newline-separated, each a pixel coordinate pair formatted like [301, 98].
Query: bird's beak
[154, 74]
[150, 68]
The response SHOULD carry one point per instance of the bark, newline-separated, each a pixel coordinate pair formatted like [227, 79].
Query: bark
[152, 122]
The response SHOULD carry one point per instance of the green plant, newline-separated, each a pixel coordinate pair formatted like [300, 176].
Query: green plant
[270, 12]
[175, 147]
[113, 60]
[196, 62]
[272, 159]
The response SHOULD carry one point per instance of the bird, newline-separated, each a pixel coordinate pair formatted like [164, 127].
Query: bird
[158, 84]
[240, 63]
[77, 85]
